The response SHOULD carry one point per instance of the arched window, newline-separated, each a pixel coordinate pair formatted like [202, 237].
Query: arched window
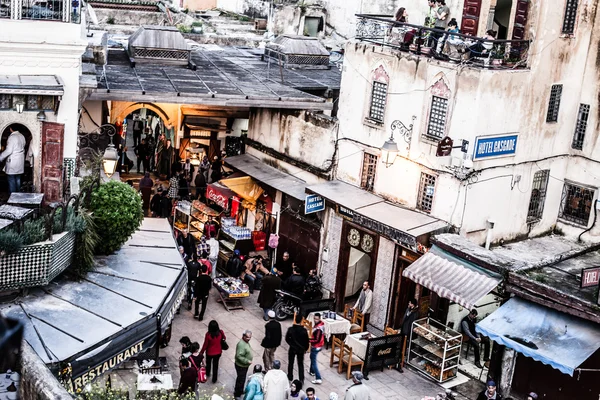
[378, 95]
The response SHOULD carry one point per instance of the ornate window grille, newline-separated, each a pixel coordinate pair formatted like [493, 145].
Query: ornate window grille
[576, 204]
[5, 101]
[538, 196]
[437, 117]
[581, 126]
[570, 16]
[378, 101]
[369, 169]
[554, 103]
[426, 192]
[34, 102]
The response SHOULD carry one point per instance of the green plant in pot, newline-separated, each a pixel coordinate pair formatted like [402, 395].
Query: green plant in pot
[117, 213]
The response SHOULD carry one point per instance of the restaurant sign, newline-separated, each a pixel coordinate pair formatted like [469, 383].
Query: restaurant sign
[313, 203]
[590, 277]
[396, 235]
[495, 146]
[384, 351]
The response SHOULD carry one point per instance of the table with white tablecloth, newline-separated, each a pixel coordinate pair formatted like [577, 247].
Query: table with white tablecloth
[9, 385]
[358, 344]
[162, 382]
[338, 326]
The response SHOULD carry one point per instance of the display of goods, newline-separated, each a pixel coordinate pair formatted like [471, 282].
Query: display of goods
[197, 225]
[260, 240]
[180, 225]
[238, 232]
[227, 221]
[231, 287]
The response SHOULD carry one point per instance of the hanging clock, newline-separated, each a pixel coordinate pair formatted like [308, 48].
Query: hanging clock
[367, 243]
[354, 237]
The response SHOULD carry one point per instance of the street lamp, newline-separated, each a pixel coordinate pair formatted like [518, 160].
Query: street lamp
[389, 150]
[110, 157]
[19, 106]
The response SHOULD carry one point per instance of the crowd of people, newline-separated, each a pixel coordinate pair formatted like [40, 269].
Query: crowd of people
[443, 30]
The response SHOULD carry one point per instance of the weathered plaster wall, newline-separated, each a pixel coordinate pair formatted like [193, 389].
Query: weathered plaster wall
[251, 8]
[130, 17]
[37, 382]
[483, 102]
[300, 135]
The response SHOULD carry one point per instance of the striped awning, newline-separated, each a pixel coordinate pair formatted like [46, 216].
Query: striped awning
[451, 277]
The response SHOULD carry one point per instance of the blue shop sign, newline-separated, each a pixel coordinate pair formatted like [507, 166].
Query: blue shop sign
[495, 146]
[313, 204]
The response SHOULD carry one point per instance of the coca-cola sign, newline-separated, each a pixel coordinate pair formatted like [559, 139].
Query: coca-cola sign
[217, 197]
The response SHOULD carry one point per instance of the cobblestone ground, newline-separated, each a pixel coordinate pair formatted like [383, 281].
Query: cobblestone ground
[389, 384]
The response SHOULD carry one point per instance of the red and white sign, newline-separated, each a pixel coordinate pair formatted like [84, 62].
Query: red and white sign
[590, 277]
[217, 197]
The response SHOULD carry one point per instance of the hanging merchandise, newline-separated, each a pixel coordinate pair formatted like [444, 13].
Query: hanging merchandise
[273, 240]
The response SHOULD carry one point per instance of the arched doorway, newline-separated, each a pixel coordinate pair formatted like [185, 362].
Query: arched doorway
[27, 178]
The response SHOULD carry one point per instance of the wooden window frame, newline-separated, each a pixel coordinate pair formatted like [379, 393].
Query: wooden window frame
[581, 126]
[368, 171]
[424, 200]
[539, 189]
[554, 103]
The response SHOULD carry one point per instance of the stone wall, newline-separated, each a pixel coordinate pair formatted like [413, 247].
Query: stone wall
[37, 382]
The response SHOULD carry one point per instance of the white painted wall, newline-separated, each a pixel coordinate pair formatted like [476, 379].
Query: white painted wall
[30, 47]
[482, 102]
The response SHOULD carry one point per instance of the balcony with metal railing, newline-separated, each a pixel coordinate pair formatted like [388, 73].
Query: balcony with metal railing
[443, 45]
[48, 10]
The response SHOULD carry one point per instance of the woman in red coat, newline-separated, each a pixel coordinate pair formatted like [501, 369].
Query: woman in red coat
[213, 348]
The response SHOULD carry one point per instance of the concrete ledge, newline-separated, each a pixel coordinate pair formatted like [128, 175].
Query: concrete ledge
[37, 382]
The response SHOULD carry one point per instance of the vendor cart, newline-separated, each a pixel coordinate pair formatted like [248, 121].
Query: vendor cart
[231, 292]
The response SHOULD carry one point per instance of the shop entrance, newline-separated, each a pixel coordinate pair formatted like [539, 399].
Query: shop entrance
[27, 178]
[357, 263]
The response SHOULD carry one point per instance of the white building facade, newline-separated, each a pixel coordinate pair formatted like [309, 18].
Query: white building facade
[40, 65]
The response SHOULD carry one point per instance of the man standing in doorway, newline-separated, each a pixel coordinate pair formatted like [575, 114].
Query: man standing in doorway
[14, 154]
[243, 359]
[271, 341]
[409, 317]
[317, 341]
[365, 299]
[468, 328]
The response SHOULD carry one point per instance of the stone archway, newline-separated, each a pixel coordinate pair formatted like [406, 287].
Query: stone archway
[137, 106]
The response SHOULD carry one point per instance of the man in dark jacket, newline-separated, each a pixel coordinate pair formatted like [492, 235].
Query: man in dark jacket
[189, 376]
[234, 264]
[188, 242]
[193, 268]
[143, 156]
[267, 296]
[297, 338]
[203, 285]
[271, 341]
[156, 203]
[295, 283]
[475, 339]
[490, 393]
[166, 206]
[200, 183]
[409, 317]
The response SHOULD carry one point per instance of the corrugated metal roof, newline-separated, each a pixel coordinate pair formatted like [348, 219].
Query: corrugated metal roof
[451, 278]
[268, 175]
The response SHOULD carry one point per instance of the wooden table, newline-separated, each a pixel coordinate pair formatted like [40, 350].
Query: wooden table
[145, 384]
[358, 345]
[338, 326]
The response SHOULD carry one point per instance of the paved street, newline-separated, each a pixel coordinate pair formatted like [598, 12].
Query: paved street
[389, 384]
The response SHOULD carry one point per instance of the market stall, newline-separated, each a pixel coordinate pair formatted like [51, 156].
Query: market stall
[434, 349]
[199, 216]
[231, 291]
[182, 216]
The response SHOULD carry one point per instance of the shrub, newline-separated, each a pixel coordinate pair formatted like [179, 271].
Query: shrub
[86, 242]
[197, 23]
[34, 231]
[184, 28]
[10, 241]
[117, 210]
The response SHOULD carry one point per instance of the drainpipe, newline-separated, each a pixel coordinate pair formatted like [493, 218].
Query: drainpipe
[488, 236]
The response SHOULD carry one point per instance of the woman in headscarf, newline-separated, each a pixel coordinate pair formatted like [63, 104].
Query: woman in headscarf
[295, 391]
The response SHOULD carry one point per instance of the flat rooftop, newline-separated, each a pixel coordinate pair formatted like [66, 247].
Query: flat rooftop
[224, 76]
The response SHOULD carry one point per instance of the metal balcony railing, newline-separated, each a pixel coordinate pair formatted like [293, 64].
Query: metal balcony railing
[50, 10]
[443, 45]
